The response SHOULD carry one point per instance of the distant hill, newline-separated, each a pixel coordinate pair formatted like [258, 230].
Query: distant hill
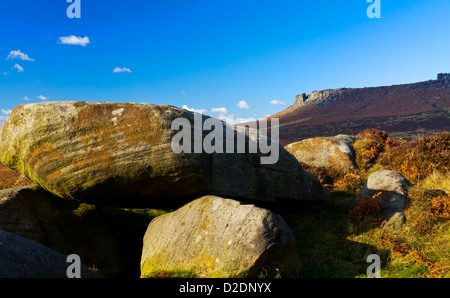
[408, 111]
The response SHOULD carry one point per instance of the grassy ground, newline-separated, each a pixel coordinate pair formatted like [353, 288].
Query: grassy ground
[323, 245]
[330, 245]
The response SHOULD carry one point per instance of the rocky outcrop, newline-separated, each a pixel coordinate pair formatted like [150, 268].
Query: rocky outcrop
[392, 188]
[401, 110]
[317, 98]
[119, 154]
[334, 151]
[65, 226]
[24, 258]
[217, 237]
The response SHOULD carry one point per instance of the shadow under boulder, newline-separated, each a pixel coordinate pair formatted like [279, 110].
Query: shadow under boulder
[68, 227]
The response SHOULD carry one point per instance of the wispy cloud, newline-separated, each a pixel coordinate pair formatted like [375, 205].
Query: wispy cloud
[74, 40]
[244, 105]
[183, 92]
[201, 111]
[276, 102]
[123, 69]
[42, 97]
[6, 112]
[18, 55]
[219, 110]
[26, 98]
[18, 67]
[224, 115]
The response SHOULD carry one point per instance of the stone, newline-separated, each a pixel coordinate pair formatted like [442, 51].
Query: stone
[68, 227]
[396, 221]
[334, 151]
[217, 237]
[120, 155]
[24, 258]
[392, 188]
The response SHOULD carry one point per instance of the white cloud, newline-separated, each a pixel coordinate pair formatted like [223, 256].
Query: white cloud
[276, 102]
[6, 112]
[229, 118]
[123, 69]
[26, 98]
[244, 105]
[5, 73]
[74, 40]
[42, 97]
[18, 67]
[18, 55]
[183, 92]
[201, 111]
[232, 119]
[219, 110]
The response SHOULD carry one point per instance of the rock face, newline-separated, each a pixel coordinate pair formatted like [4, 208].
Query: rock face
[317, 98]
[65, 226]
[392, 188]
[216, 237]
[334, 151]
[24, 258]
[120, 154]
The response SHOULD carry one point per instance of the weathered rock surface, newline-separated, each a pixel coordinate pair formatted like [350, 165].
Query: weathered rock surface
[24, 258]
[217, 237]
[334, 151]
[120, 154]
[392, 188]
[65, 226]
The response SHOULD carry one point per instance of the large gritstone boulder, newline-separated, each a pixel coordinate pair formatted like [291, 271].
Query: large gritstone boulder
[121, 154]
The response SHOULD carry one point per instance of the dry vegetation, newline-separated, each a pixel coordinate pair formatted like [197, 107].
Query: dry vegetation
[422, 247]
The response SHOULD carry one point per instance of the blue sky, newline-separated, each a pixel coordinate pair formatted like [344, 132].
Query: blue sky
[235, 60]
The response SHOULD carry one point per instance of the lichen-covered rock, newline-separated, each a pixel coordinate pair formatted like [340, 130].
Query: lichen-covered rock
[334, 151]
[24, 258]
[68, 227]
[217, 237]
[120, 154]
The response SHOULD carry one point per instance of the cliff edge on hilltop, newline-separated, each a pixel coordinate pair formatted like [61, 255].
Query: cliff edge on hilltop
[407, 110]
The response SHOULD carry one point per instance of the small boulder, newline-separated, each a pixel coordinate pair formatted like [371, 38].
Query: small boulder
[392, 188]
[334, 151]
[217, 237]
[24, 258]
